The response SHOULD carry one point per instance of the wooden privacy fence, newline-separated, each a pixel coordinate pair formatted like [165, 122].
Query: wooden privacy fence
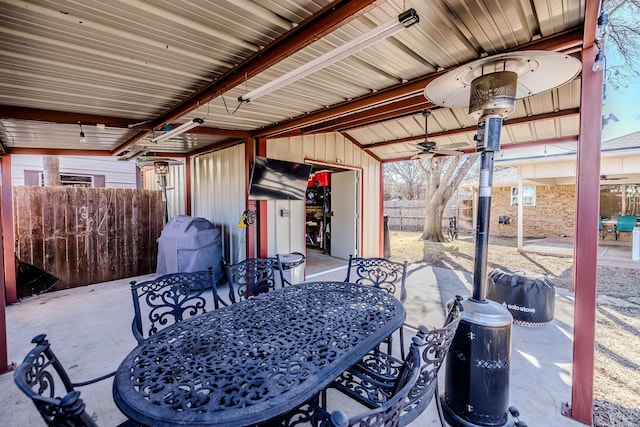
[87, 235]
[409, 215]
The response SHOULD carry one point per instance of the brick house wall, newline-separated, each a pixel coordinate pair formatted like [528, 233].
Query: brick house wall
[553, 214]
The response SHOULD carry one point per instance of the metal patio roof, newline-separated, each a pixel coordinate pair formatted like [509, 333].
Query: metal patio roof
[134, 66]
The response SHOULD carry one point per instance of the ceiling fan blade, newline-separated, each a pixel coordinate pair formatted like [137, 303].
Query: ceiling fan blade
[422, 156]
[454, 145]
[448, 152]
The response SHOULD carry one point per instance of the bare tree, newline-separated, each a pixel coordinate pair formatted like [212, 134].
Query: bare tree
[403, 179]
[443, 175]
[51, 170]
[623, 40]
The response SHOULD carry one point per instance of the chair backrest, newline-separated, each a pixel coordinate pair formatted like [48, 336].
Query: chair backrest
[253, 276]
[43, 379]
[389, 414]
[380, 273]
[171, 298]
[433, 345]
[625, 223]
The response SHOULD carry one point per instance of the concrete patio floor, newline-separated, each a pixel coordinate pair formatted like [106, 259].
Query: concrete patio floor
[611, 253]
[90, 331]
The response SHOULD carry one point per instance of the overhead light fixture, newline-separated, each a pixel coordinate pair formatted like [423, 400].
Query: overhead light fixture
[179, 130]
[601, 29]
[599, 63]
[402, 21]
[133, 153]
[83, 139]
[161, 167]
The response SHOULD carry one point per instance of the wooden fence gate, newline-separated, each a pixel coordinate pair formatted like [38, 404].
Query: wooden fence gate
[87, 235]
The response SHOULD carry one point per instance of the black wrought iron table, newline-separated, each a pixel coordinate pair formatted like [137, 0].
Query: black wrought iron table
[255, 360]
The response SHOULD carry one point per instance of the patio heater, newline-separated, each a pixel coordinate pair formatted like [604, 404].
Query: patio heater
[477, 369]
[161, 168]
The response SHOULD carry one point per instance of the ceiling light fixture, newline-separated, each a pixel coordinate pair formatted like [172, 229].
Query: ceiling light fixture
[599, 63]
[83, 139]
[179, 130]
[402, 21]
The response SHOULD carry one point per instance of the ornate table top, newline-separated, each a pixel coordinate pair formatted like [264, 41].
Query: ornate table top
[254, 360]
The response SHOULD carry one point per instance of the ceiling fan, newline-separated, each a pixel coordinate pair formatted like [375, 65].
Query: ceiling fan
[612, 178]
[427, 149]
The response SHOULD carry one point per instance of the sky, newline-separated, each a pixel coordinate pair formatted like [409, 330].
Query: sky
[622, 103]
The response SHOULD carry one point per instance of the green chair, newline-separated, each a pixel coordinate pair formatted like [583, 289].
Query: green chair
[625, 223]
[600, 227]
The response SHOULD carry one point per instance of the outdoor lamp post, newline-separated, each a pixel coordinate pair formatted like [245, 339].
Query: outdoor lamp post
[161, 168]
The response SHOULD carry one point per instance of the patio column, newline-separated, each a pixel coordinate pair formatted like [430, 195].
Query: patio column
[585, 242]
[8, 276]
[520, 211]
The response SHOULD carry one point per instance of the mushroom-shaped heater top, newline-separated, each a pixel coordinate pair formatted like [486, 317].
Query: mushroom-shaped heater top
[490, 86]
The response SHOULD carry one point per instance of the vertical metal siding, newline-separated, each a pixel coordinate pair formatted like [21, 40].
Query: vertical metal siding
[330, 148]
[218, 194]
[175, 187]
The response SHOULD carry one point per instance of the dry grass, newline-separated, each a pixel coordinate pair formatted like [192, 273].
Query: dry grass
[617, 358]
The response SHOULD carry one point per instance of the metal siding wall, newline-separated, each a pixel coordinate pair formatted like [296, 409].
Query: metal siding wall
[218, 194]
[329, 148]
[175, 188]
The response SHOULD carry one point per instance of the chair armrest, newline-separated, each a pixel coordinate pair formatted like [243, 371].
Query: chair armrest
[95, 380]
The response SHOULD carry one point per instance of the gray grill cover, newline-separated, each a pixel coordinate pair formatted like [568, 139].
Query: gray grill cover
[190, 244]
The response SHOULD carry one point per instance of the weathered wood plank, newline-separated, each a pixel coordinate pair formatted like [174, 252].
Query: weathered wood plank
[73, 255]
[87, 235]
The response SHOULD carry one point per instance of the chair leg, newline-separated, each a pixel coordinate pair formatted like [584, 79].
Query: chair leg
[436, 396]
[401, 342]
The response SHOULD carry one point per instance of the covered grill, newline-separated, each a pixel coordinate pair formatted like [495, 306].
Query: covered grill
[189, 244]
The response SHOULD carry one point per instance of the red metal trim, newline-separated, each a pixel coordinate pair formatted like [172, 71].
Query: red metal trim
[557, 42]
[37, 114]
[370, 116]
[249, 154]
[332, 16]
[4, 351]
[530, 119]
[187, 185]
[8, 236]
[59, 152]
[262, 213]
[219, 146]
[381, 211]
[585, 242]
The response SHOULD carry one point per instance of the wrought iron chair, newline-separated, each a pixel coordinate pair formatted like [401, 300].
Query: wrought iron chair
[384, 274]
[43, 379]
[253, 276]
[386, 414]
[371, 381]
[398, 395]
[171, 298]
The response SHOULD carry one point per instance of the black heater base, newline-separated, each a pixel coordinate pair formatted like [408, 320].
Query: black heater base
[455, 420]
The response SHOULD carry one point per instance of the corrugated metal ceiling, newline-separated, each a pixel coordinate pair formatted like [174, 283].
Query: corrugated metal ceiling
[131, 64]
